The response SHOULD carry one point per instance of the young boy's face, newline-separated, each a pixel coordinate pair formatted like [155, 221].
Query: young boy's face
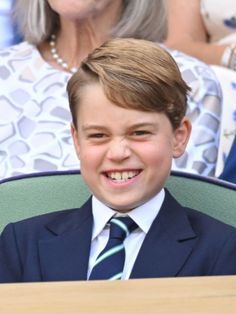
[125, 155]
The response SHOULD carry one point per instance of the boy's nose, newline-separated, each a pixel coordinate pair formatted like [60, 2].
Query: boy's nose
[118, 150]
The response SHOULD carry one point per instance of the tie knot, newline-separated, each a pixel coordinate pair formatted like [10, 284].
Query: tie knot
[121, 227]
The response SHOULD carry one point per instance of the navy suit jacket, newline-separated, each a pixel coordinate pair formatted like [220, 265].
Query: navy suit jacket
[56, 246]
[229, 171]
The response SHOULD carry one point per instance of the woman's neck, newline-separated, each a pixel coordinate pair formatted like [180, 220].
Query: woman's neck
[76, 39]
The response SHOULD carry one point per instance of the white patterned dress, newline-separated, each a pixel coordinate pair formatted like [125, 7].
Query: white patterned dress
[35, 117]
[220, 21]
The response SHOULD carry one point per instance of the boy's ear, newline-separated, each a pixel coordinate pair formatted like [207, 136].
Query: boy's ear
[181, 137]
[75, 137]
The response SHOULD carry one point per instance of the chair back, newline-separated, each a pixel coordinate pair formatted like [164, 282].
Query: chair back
[30, 195]
[34, 194]
[211, 196]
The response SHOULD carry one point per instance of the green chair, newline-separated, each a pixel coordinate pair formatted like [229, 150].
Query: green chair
[212, 196]
[29, 195]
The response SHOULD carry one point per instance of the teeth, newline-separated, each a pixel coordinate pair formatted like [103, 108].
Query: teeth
[132, 174]
[125, 175]
[122, 176]
[116, 176]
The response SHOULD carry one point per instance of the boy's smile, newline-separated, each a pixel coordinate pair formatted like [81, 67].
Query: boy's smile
[119, 177]
[125, 154]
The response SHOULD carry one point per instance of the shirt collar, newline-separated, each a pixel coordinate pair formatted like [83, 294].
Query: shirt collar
[143, 215]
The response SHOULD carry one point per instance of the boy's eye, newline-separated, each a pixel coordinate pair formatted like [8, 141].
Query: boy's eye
[141, 132]
[96, 135]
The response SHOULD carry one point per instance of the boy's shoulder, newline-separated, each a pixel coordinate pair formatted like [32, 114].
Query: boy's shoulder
[56, 221]
[201, 219]
[200, 222]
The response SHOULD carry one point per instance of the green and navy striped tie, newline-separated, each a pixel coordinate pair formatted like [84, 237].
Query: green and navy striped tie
[110, 262]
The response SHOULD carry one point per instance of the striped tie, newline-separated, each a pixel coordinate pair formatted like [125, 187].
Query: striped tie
[110, 262]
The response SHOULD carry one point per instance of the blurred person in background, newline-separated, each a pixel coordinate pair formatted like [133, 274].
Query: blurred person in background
[206, 29]
[34, 111]
[8, 31]
[229, 171]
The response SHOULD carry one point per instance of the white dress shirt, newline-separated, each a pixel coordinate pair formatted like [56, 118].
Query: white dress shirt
[143, 215]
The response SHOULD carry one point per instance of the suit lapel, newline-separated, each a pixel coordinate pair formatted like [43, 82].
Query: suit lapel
[167, 245]
[164, 251]
[65, 255]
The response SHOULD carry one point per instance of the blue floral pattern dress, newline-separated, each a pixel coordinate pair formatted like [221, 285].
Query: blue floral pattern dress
[220, 21]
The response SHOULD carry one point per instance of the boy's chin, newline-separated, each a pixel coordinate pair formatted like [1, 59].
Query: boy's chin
[124, 208]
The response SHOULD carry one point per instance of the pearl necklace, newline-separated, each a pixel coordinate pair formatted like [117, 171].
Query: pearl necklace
[57, 57]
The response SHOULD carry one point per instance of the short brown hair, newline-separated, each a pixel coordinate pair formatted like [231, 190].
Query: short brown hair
[134, 74]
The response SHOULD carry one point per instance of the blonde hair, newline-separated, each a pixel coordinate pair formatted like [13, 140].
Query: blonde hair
[134, 74]
[144, 19]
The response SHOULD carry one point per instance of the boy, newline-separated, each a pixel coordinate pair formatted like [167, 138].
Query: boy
[128, 104]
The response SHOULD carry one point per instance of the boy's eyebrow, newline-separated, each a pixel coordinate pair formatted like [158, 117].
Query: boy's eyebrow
[93, 127]
[143, 124]
[133, 126]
